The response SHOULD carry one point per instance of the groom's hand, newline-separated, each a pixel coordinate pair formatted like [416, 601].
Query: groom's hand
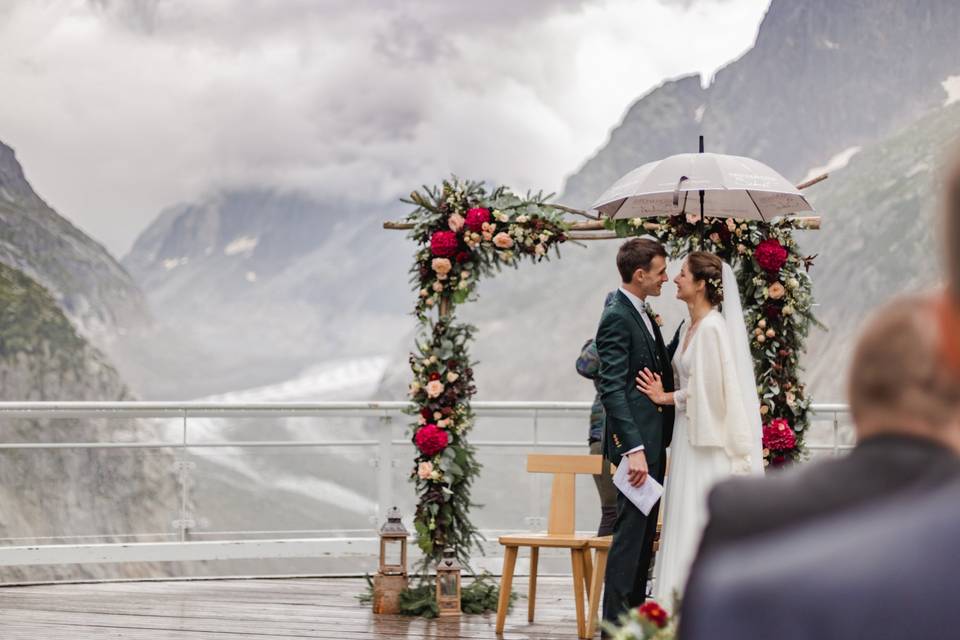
[637, 468]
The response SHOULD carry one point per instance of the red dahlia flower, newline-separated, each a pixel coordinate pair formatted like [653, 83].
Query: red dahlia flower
[443, 243]
[476, 217]
[778, 436]
[431, 440]
[770, 255]
[654, 613]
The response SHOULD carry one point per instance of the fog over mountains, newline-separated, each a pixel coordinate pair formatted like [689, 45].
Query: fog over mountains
[268, 294]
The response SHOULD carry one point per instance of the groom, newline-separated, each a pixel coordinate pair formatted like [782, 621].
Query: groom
[637, 430]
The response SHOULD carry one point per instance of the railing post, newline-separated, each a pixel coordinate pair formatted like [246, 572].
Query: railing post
[535, 520]
[182, 467]
[836, 433]
[384, 463]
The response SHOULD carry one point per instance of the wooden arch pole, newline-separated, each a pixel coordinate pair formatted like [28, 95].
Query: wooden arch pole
[593, 229]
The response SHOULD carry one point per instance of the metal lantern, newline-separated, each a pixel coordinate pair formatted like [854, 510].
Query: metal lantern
[448, 584]
[391, 578]
[393, 545]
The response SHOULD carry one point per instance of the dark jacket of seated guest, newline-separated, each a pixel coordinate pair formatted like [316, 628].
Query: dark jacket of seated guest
[876, 469]
[885, 571]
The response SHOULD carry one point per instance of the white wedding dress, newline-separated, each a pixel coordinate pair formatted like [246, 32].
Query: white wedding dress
[692, 473]
[693, 470]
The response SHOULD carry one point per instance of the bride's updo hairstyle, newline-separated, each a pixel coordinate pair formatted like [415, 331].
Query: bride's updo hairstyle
[708, 268]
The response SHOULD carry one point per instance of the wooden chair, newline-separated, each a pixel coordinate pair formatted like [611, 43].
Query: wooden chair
[559, 534]
[601, 549]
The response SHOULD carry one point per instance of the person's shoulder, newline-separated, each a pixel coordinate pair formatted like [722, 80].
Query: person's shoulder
[713, 321]
[712, 326]
[740, 496]
[613, 310]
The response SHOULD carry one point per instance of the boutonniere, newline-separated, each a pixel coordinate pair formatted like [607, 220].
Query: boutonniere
[653, 315]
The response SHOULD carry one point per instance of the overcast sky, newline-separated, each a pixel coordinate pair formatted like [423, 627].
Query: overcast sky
[119, 108]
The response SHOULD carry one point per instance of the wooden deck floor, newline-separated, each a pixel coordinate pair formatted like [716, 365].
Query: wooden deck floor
[246, 609]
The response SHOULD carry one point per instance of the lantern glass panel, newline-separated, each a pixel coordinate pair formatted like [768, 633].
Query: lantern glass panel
[448, 584]
[393, 553]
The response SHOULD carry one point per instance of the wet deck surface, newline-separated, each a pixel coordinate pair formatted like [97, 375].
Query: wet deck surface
[259, 608]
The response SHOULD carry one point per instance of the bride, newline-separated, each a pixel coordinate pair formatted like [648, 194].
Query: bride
[717, 429]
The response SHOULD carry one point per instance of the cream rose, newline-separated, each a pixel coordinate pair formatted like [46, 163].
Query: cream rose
[776, 291]
[425, 470]
[434, 388]
[452, 377]
[414, 387]
[455, 222]
[539, 250]
[502, 240]
[441, 265]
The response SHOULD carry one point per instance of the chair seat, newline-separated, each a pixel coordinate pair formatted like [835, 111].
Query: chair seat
[573, 541]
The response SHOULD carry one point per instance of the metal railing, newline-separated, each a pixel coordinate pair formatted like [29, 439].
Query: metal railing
[187, 431]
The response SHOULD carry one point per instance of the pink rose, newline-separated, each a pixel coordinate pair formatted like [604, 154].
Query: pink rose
[455, 222]
[441, 266]
[434, 388]
[424, 470]
[502, 240]
[776, 291]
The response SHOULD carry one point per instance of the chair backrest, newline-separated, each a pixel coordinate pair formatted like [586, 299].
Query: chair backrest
[563, 499]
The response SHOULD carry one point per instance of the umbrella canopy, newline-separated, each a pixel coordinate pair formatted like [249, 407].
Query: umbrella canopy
[732, 187]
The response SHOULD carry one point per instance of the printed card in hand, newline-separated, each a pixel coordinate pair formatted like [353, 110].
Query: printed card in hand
[644, 496]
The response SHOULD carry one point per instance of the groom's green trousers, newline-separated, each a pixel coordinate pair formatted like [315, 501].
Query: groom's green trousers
[631, 552]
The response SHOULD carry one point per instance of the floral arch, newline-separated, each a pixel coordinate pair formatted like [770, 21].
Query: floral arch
[464, 233]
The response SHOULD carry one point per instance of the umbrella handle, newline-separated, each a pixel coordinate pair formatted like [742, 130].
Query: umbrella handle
[676, 193]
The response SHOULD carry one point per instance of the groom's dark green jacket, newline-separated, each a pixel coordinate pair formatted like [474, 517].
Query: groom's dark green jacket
[625, 347]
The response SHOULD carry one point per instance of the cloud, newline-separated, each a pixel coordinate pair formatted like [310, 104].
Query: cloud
[119, 108]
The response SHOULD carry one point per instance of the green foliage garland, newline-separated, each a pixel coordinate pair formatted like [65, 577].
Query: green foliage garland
[464, 232]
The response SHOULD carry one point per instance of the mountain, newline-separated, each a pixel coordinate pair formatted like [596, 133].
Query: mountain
[822, 77]
[879, 237]
[254, 286]
[266, 283]
[73, 490]
[870, 85]
[94, 291]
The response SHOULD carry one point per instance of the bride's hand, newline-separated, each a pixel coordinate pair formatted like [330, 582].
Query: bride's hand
[650, 384]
